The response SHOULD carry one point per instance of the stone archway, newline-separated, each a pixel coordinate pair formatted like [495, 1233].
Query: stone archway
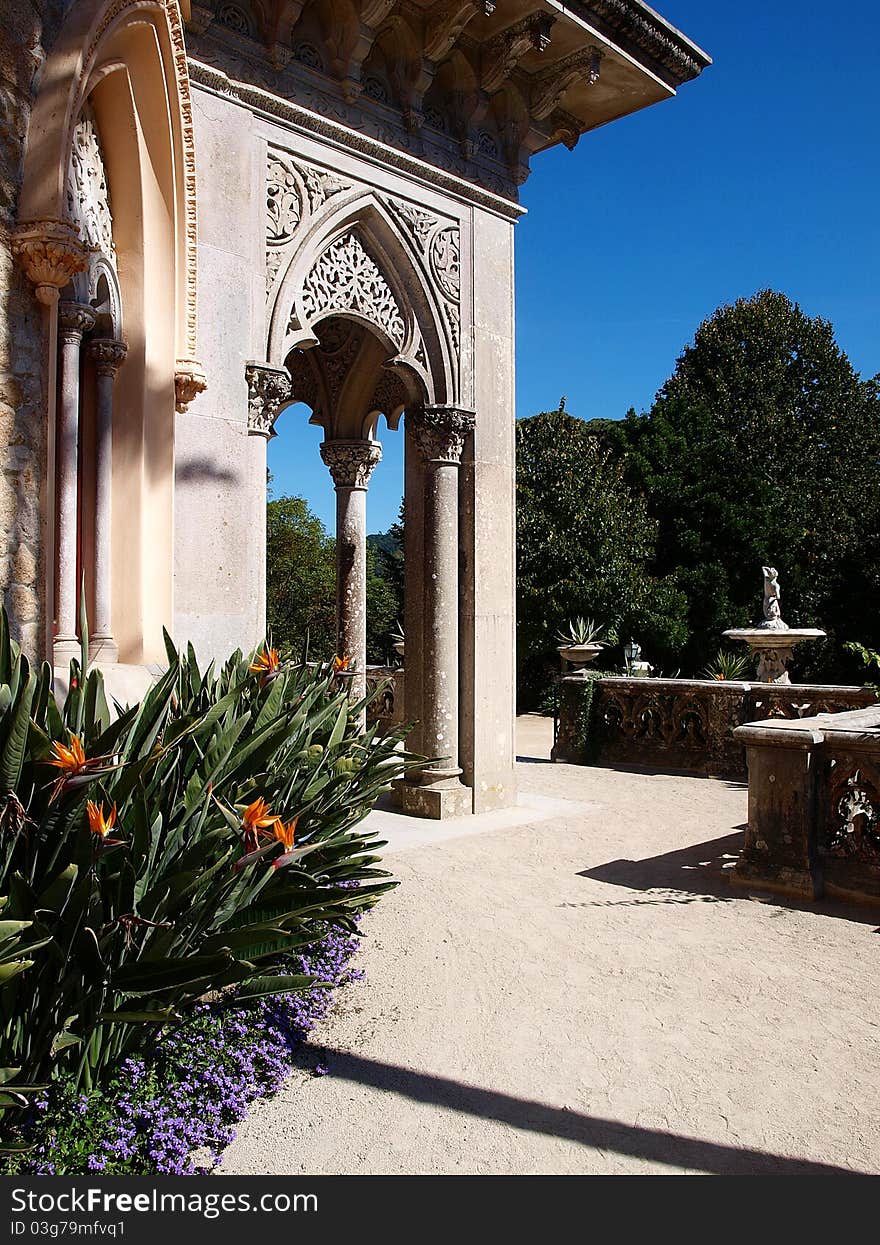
[364, 322]
[107, 234]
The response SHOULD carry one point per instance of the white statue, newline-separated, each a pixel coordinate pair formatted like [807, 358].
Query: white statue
[772, 593]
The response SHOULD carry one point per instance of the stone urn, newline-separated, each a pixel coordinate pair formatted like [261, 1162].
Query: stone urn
[580, 655]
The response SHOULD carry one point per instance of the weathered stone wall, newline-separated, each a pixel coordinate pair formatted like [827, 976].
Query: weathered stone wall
[29, 27]
[681, 724]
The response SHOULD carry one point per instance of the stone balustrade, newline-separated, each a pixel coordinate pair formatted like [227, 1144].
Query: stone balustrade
[814, 806]
[680, 724]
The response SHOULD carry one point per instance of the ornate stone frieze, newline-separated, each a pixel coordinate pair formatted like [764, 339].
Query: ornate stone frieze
[189, 382]
[88, 196]
[294, 190]
[351, 463]
[51, 254]
[107, 354]
[441, 431]
[446, 262]
[853, 828]
[75, 320]
[503, 53]
[347, 279]
[269, 388]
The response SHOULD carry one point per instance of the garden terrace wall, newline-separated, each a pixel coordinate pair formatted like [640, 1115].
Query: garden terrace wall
[680, 724]
[814, 806]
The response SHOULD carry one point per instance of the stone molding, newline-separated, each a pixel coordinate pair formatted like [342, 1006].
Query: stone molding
[107, 353]
[51, 253]
[269, 388]
[351, 463]
[440, 432]
[265, 103]
[75, 320]
[189, 382]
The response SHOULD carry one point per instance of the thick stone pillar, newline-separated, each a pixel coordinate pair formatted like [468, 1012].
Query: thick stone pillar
[75, 319]
[351, 464]
[437, 791]
[107, 354]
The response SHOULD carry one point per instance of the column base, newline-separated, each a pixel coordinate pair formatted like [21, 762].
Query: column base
[103, 648]
[437, 801]
[64, 649]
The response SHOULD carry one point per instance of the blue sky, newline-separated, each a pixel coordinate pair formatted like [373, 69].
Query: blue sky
[762, 173]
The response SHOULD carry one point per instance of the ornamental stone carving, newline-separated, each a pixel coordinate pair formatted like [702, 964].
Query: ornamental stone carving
[88, 197]
[293, 191]
[269, 388]
[108, 354]
[75, 320]
[347, 279]
[441, 431]
[503, 53]
[51, 253]
[446, 262]
[189, 382]
[351, 463]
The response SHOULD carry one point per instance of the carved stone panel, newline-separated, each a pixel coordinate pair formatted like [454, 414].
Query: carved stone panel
[346, 278]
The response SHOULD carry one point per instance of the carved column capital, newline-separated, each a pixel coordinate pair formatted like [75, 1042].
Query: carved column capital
[107, 354]
[189, 381]
[351, 463]
[268, 389]
[441, 431]
[75, 320]
[51, 253]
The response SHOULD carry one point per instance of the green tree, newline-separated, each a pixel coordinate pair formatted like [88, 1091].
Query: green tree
[300, 578]
[584, 540]
[763, 448]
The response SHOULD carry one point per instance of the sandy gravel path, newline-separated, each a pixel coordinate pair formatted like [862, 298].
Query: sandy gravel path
[585, 993]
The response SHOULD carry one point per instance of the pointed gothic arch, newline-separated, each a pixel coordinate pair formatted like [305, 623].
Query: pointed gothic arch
[383, 262]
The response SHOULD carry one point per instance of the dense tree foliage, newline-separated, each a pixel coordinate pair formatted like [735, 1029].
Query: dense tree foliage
[301, 583]
[763, 447]
[584, 539]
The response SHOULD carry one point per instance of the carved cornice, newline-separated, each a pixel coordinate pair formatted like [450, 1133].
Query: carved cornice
[75, 320]
[440, 432]
[502, 54]
[269, 388]
[351, 463]
[549, 86]
[631, 24]
[189, 382]
[51, 254]
[107, 353]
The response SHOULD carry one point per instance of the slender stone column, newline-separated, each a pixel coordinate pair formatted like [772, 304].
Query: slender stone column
[440, 433]
[107, 354]
[75, 319]
[351, 464]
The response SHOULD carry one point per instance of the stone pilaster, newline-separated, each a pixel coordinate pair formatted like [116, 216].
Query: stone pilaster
[107, 355]
[75, 319]
[351, 463]
[436, 791]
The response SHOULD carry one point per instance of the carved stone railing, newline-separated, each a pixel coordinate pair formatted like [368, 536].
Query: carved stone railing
[387, 708]
[680, 724]
[814, 806]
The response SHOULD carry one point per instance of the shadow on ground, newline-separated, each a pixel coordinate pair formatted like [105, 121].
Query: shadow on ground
[701, 873]
[652, 1145]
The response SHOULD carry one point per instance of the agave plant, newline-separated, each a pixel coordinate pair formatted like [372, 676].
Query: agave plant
[728, 666]
[186, 846]
[580, 631]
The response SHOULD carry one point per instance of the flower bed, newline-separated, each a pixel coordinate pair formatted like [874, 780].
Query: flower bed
[175, 1108]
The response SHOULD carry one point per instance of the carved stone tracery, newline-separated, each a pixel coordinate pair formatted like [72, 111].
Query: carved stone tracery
[88, 196]
[347, 279]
